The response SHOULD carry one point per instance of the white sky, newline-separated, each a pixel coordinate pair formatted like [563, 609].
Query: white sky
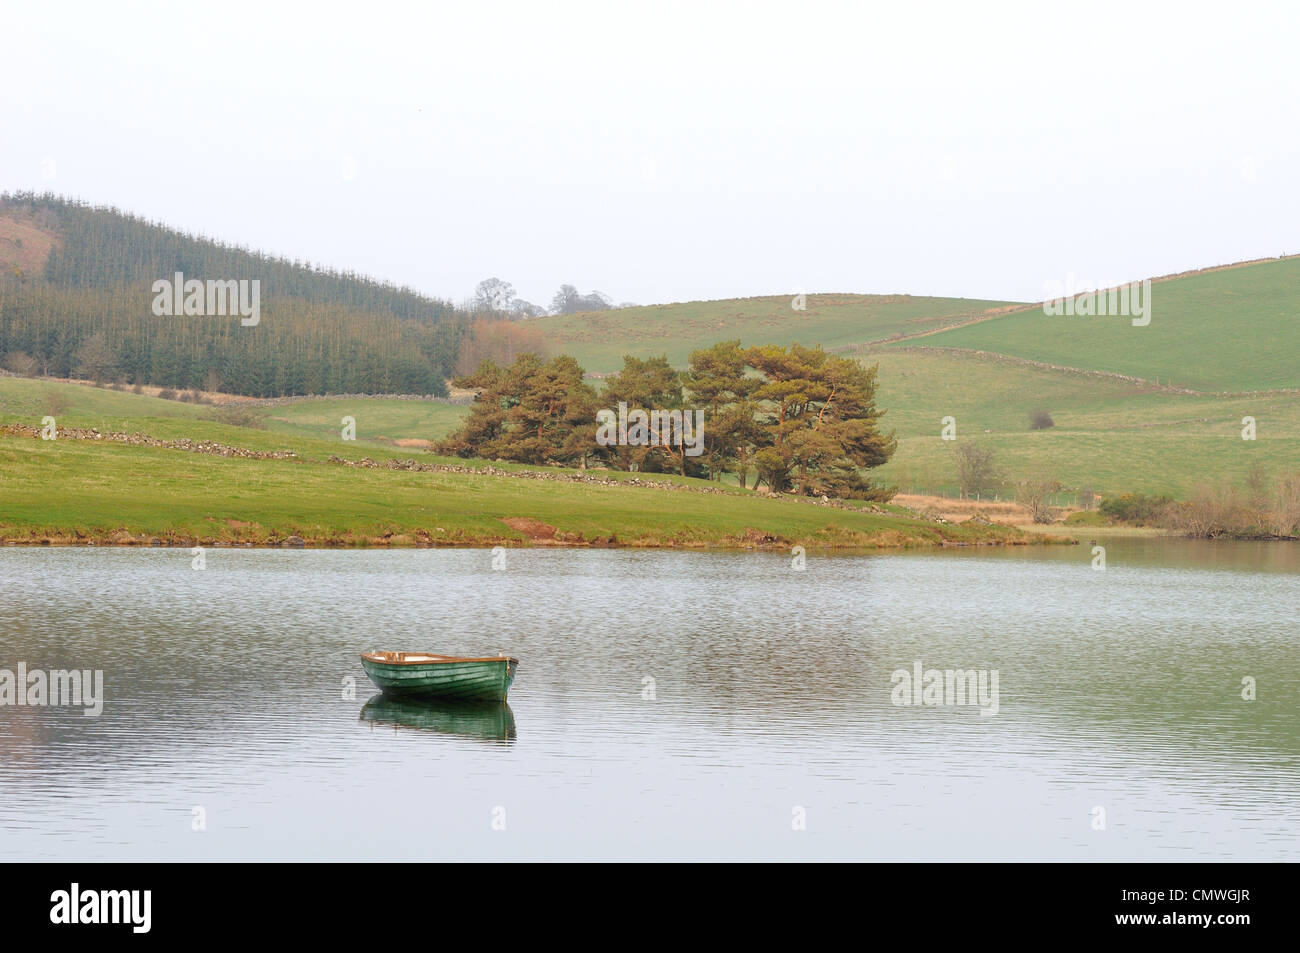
[669, 152]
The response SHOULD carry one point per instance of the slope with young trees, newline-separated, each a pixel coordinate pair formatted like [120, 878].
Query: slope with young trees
[87, 312]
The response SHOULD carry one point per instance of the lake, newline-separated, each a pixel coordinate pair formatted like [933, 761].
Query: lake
[668, 705]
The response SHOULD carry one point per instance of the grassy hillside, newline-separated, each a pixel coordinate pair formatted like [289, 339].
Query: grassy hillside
[1112, 435]
[70, 490]
[600, 339]
[378, 420]
[1235, 329]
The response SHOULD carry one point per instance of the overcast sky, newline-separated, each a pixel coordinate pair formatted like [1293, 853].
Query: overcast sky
[661, 152]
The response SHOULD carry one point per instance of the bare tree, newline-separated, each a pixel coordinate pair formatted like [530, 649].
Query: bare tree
[499, 341]
[493, 294]
[1258, 499]
[568, 300]
[977, 471]
[526, 309]
[22, 364]
[565, 300]
[1211, 510]
[1036, 496]
[95, 358]
[1284, 514]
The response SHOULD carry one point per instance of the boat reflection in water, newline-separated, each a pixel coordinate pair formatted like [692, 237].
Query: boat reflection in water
[484, 721]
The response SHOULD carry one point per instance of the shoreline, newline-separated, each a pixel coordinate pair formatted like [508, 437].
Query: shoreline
[406, 542]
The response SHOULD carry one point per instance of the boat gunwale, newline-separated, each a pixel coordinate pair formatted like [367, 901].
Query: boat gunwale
[431, 658]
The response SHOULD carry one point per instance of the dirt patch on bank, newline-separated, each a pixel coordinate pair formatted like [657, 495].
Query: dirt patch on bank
[534, 529]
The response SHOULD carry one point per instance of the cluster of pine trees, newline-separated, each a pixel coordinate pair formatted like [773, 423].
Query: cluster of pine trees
[799, 419]
[89, 314]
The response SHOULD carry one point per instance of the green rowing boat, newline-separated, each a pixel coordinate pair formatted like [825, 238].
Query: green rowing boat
[426, 675]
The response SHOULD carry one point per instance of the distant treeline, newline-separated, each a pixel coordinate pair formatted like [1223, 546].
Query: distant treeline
[88, 314]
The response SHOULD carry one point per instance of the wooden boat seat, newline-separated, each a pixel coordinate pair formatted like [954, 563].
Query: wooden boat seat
[422, 657]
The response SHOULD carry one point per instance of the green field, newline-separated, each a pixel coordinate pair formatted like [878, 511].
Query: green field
[1111, 435]
[1231, 335]
[377, 420]
[600, 339]
[70, 490]
[1237, 329]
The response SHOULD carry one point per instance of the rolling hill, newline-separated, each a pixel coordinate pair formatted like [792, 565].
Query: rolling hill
[600, 339]
[1111, 435]
[1229, 329]
[1222, 342]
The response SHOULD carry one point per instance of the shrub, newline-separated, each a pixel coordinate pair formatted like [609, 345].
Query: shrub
[1212, 510]
[167, 394]
[1085, 518]
[1041, 420]
[1136, 508]
[1036, 496]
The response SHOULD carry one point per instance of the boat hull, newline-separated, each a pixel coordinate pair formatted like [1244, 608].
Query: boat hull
[471, 680]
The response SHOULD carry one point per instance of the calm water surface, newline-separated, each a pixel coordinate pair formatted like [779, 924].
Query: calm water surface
[227, 691]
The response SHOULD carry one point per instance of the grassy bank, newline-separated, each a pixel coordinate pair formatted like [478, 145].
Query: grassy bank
[102, 491]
